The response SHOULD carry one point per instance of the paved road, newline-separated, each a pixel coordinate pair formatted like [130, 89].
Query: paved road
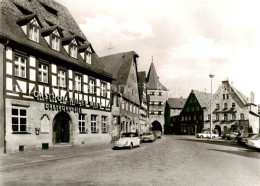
[172, 160]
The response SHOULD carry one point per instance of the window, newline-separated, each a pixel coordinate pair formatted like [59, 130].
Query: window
[217, 106]
[225, 117]
[123, 105]
[225, 105]
[233, 116]
[73, 51]
[93, 123]
[104, 124]
[62, 78]
[227, 96]
[209, 117]
[130, 107]
[217, 117]
[20, 66]
[233, 105]
[159, 93]
[82, 128]
[43, 73]
[126, 106]
[34, 31]
[55, 43]
[242, 116]
[88, 58]
[19, 119]
[91, 86]
[152, 93]
[225, 128]
[224, 96]
[194, 117]
[103, 89]
[78, 83]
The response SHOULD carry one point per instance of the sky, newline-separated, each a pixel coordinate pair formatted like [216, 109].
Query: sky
[188, 39]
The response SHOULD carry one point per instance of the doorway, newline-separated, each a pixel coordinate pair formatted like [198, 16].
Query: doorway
[61, 128]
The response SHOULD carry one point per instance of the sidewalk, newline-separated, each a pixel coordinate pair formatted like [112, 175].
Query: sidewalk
[35, 156]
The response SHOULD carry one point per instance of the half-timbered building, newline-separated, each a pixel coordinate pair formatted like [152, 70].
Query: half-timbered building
[54, 87]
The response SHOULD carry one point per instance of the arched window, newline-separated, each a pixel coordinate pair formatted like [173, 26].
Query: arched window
[225, 105]
[225, 128]
[233, 105]
[242, 116]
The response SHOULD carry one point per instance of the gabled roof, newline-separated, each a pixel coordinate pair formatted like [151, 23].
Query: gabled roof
[141, 78]
[153, 82]
[11, 12]
[47, 31]
[119, 65]
[176, 103]
[25, 19]
[203, 98]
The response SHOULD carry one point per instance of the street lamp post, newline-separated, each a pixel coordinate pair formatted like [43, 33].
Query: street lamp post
[211, 77]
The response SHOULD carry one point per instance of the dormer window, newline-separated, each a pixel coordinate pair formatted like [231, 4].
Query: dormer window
[53, 36]
[31, 27]
[86, 52]
[88, 58]
[73, 51]
[34, 30]
[55, 40]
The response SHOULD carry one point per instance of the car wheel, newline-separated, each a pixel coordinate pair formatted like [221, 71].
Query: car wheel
[131, 146]
[201, 136]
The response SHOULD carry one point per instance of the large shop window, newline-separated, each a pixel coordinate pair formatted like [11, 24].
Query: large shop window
[103, 90]
[34, 31]
[82, 128]
[62, 78]
[43, 73]
[20, 67]
[94, 123]
[78, 83]
[91, 86]
[19, 119]
[104, 124]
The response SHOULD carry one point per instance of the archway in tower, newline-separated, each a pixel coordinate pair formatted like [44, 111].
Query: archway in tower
[156, 125]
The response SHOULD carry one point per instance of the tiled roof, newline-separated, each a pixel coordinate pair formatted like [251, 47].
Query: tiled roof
[203, 98]
[141, 78]
[11, 13]
[119, 65]
[242, 97]
[177, 103]
[153, 82]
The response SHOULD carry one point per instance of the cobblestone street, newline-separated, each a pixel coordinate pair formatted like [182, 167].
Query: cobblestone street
[172, 160]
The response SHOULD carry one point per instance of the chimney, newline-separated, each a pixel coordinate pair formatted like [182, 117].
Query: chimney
[252, 97]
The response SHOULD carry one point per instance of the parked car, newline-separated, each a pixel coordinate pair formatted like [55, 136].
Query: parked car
[148, 136]
[229, 135]
[128, 140]
[158, 134]
[206, 134]
[254, 143]
[240, 138]
[251, 138]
